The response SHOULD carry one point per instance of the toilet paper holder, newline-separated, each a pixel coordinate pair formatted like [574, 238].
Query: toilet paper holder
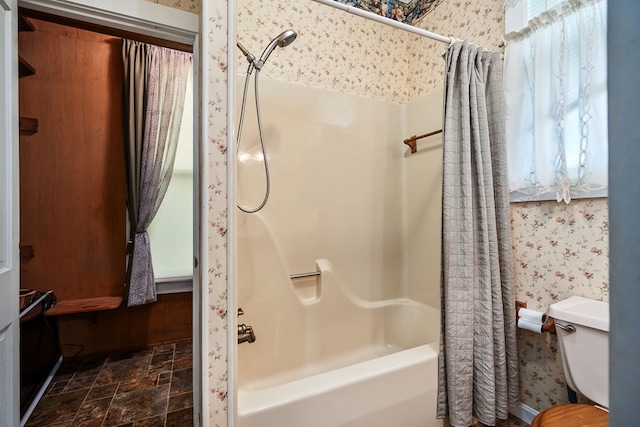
[549, 324]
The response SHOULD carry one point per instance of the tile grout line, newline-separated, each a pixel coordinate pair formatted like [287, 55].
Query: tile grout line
[104, 419]
[75, 372]
[166, 410]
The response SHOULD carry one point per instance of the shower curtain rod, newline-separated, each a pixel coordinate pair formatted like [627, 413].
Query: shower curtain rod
[387, 21]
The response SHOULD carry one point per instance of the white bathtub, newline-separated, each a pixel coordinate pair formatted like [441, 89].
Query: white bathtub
[325, 358]
[395, 390]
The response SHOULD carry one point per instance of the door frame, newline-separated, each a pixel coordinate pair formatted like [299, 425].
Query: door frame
[162, 22]
[9, 218]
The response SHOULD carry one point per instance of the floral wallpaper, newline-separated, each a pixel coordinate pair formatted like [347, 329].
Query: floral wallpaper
[193, 6]
[560, 250]
[346, 53]
[479, 22]
[334, 50]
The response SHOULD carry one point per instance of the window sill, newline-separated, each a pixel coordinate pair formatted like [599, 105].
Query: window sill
[519, 196]
[174, 285]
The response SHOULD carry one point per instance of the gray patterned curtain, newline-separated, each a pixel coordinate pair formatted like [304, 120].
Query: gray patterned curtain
[478, 373]
[155, 84]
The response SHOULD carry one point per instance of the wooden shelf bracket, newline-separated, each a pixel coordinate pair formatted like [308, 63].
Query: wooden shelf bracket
[25, 69]
[28, 126]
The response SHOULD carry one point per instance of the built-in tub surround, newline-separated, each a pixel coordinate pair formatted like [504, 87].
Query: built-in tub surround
[299, 335]
[336, 206]
[322, 355]
[422, 189]
[336, 184]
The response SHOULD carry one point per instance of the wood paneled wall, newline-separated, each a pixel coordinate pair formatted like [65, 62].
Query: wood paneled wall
[127, 328]
[73, 189]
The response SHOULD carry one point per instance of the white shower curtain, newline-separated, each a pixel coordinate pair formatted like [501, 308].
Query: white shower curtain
[478, 373]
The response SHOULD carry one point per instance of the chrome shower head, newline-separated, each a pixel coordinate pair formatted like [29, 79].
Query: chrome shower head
[284, 39]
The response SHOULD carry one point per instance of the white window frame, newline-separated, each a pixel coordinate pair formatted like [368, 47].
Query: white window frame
[167, 283]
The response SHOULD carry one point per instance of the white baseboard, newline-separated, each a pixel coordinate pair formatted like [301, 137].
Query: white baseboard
[524, 412]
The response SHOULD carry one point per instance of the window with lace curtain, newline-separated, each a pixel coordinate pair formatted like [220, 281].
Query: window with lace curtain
[171, 231]
[555, 80]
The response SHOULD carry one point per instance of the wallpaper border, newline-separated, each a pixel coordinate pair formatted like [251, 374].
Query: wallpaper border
[215, 29]
[397, 10]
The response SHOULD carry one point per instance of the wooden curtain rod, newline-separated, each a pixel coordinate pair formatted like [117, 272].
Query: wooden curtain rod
[411, 142]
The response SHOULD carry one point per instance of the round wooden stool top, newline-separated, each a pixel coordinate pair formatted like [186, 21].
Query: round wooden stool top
[572, 415]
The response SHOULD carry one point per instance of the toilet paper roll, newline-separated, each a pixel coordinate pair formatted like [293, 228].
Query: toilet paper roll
[530, 326]
[532, 316]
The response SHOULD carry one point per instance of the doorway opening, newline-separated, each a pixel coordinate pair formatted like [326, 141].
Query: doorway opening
[71, 168]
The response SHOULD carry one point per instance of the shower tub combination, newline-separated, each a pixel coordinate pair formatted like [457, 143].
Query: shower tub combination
[324, 358]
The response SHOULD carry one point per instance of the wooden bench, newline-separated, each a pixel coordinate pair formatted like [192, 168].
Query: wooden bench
[84, 305]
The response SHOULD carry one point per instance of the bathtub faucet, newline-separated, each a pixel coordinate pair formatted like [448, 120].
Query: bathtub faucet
[245, 334]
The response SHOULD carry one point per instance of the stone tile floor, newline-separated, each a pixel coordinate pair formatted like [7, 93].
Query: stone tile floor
[149, 387]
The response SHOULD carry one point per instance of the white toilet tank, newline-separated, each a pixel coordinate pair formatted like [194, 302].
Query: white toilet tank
[584, 352]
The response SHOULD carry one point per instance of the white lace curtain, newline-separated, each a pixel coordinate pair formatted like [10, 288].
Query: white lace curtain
[555, 82]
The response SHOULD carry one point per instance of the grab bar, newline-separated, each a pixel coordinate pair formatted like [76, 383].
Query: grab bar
[302, 275]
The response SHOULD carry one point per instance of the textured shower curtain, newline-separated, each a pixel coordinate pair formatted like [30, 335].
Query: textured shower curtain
[478, 373]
